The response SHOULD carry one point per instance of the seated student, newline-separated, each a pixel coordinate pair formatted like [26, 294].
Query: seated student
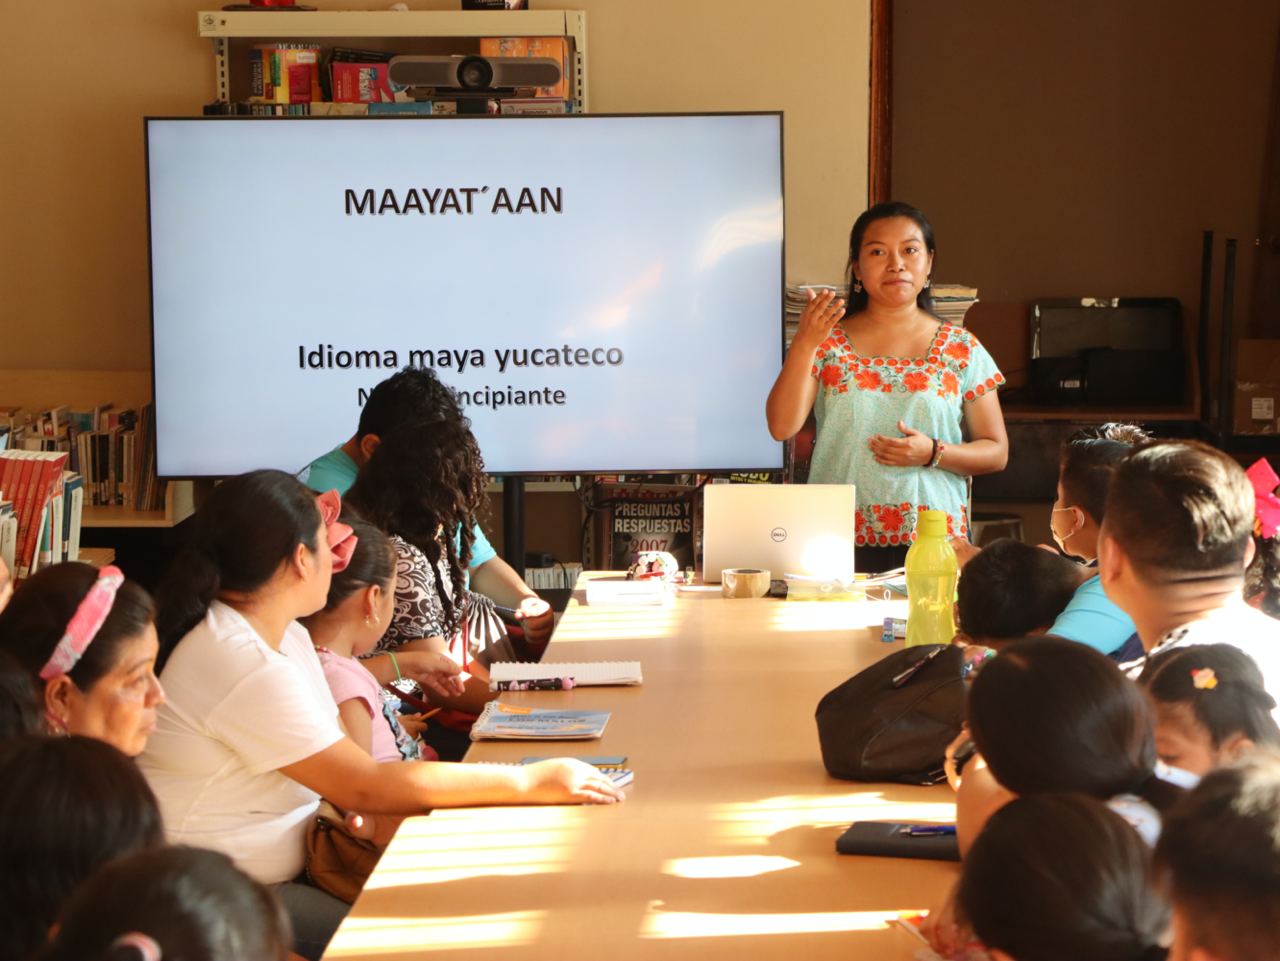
[357, 612]
[67, 806]
[1175, 544]
[1060, 877]
[416, 395]
[1262, 579]
[1220, 857]
[1211, 706]
[1049, 714]
[1011, 590]
[87, 638]
[173, 902]
[433, 610]
[249, 739]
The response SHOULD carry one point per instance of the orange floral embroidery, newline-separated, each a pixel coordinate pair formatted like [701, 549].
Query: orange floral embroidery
[868, 379]
[916, 381]
[950, 383]
[830, 375]
[957, 351]
[891, 519]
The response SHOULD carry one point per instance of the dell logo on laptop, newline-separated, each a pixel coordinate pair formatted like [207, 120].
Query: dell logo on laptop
[779, 534]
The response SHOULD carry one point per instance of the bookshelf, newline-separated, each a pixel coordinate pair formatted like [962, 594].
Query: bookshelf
[223, 26]
[41, 388]
[179, 504]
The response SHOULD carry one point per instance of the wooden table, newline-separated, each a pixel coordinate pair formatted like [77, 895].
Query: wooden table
[725, 847]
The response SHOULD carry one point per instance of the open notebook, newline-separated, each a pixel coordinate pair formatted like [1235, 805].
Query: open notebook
[584, 673]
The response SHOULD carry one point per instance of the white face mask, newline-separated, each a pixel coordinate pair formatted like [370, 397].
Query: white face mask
[1061, 540]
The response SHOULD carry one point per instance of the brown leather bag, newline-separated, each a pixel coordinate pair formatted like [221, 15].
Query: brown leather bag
[338, 862]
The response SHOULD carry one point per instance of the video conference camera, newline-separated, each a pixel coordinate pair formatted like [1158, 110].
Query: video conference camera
[471, 80]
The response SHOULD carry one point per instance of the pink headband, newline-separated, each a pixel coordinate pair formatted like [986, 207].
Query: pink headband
[84, 624]
[1266, 503]
[342, 539]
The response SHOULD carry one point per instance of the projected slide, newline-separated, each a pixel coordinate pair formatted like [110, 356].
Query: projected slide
[604, 292]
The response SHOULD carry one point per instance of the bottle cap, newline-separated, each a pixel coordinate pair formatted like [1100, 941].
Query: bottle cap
[931, 524]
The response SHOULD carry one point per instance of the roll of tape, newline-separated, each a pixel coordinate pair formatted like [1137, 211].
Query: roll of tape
[744, 582]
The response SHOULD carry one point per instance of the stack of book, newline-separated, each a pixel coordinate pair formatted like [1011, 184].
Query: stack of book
[304, 80]
[950, 302]
[41, 506]
[114, 450]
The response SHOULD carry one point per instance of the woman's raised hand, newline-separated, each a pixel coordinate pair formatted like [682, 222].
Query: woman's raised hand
[912, 449]
[823, 312]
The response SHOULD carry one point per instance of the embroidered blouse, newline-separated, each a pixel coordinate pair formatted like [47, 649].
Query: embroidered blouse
[861, 396]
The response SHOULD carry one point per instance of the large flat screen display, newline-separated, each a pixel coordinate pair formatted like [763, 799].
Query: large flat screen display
[605, 292]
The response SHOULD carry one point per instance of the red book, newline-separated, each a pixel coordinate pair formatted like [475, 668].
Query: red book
[46, 470]
[22, 509]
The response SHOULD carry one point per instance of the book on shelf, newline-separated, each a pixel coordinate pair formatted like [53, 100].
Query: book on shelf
[285, 73]
[30, 480]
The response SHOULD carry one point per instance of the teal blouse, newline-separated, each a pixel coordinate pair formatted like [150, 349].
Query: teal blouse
[861, 396]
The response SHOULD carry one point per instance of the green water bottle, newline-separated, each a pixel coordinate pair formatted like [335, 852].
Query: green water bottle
[931, 582]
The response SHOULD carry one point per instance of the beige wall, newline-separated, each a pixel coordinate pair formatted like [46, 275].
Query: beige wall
[73, 260]
[1080, 148]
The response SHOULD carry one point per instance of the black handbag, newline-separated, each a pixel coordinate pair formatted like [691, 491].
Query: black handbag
[894, 720]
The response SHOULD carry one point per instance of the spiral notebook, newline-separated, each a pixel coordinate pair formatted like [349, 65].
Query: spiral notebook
[584, 673]
[506, 722]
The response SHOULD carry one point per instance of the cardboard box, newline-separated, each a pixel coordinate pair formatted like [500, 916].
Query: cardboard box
[553, 48]
[1257, 404]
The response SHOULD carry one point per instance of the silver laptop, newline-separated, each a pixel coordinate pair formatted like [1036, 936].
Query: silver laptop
[804, 529]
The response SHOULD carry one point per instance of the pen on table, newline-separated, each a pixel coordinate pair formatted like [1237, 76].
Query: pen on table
[431, 713]
[902, 677]
[540, 684]
[927, 830]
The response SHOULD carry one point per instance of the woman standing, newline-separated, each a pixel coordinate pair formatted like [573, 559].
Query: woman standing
[895, 390]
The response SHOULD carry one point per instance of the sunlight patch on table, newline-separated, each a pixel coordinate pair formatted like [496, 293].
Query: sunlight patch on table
[361, 937]
[664, 925]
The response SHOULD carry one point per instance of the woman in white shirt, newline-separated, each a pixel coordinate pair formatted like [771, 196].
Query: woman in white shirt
[249, 739]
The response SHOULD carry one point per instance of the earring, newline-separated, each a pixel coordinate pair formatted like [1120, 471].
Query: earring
[57, 726]
[377, 621]
[857, 286]
[928, 280]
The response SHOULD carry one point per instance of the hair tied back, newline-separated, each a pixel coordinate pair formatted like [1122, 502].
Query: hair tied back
[143, 944]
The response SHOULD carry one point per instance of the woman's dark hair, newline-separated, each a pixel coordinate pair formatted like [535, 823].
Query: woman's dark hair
[195, 904]
[1061, 877]
[372, 562]
[1219, 857]
[1085, 472]
[21, 709]
[1263, 576]
[857, 302]
[1181, 507]
[424, 482]
[1052, 715]
[407, 396]
[1237, 703]
[37, 617]
[248, 527]
[67, 806]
